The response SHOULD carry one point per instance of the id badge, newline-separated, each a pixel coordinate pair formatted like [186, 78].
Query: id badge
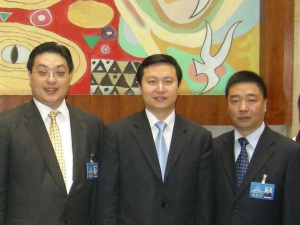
[92, 170]
[262, 190]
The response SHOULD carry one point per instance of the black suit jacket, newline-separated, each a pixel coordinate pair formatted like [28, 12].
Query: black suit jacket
[130, 188]
[276, 156]
[32, 190]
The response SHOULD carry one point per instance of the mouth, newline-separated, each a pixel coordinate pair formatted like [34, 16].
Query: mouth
[50, 90]
[160, 98]
[244, 118]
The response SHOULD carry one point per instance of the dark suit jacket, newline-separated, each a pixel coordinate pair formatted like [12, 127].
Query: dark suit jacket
[32, 190]
[276, 156]
[130, 188]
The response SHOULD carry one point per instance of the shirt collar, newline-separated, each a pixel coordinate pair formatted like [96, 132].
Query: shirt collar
[45, 110]
[170, 120]
[253, 137]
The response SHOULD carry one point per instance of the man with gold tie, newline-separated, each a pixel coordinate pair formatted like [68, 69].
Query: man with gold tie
[47, 147]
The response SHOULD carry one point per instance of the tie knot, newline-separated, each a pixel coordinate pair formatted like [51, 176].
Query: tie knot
[243, 142]
[53, 114]
[161, 126]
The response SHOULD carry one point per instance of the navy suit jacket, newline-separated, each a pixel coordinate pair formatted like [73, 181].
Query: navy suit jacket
[130, 188]
[32, 190]
[276, 156]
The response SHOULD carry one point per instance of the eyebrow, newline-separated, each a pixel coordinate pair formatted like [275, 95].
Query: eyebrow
[164, 77]
[43, 65]
[247, 95]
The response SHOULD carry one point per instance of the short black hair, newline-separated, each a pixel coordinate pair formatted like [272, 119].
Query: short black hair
[245, 76]
[155, 59]
[50, 47]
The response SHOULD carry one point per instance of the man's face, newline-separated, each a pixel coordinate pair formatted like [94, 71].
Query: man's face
[246, 107]
[159, 89]
[50, 89]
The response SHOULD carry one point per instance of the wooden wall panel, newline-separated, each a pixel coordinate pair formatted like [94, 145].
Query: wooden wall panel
[276, 66]
[276, 58]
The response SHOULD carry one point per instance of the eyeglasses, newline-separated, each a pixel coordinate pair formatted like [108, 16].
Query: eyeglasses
[59, 73]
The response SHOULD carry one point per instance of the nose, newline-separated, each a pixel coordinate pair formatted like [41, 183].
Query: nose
[51, 78]
[51, 74]
[160, 87]
[243, 106]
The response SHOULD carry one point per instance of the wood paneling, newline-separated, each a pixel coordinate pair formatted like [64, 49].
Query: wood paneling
[276, 67]
[276, 58]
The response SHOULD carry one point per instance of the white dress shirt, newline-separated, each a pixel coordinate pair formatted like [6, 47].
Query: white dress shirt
[252, 139]
[170, 120]
[63, 122]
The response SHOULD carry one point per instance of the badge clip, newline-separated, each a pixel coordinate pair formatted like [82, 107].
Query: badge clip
[264, 179]
[91, 158]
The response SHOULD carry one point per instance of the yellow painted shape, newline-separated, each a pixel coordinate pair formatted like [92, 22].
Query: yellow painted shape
[90, 14]
[28, 4]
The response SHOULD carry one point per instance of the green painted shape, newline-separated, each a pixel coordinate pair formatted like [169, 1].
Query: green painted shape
[136, 50]
[4, 15]
[92, 40]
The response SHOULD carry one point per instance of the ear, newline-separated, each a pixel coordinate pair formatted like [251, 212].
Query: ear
[265, 105]
[140, 89]
[29, 77]
[71, 77]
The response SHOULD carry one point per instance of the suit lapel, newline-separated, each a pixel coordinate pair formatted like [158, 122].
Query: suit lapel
[260, 157]
[227, 154]
[79, 138]
[177, 144]
[144, 138]
[35, 125]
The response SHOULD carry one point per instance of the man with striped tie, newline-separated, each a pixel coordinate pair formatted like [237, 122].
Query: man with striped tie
[252, 159]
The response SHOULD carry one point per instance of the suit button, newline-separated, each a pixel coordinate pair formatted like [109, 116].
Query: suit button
[163, 204]
[237, 209]
[69, 199]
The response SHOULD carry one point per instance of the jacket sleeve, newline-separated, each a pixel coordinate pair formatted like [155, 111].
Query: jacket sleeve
[291, 198]
[107, 189]
[4, 170]
[204, 204]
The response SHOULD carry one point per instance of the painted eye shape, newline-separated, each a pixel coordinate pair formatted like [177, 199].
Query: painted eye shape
[15, 54]
[108, 32]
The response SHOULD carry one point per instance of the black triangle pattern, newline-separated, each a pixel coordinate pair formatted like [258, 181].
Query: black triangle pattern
[106, 85]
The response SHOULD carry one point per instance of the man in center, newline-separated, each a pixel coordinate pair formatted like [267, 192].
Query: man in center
[153, 177]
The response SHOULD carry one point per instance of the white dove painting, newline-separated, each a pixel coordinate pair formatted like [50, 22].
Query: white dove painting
[211, 39]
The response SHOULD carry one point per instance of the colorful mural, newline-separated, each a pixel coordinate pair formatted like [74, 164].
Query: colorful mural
[108, 39]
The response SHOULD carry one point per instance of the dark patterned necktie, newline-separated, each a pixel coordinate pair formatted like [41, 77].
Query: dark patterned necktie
[242, 162]
[161, 147]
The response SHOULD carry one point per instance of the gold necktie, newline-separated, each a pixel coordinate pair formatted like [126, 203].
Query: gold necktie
[56, 142]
